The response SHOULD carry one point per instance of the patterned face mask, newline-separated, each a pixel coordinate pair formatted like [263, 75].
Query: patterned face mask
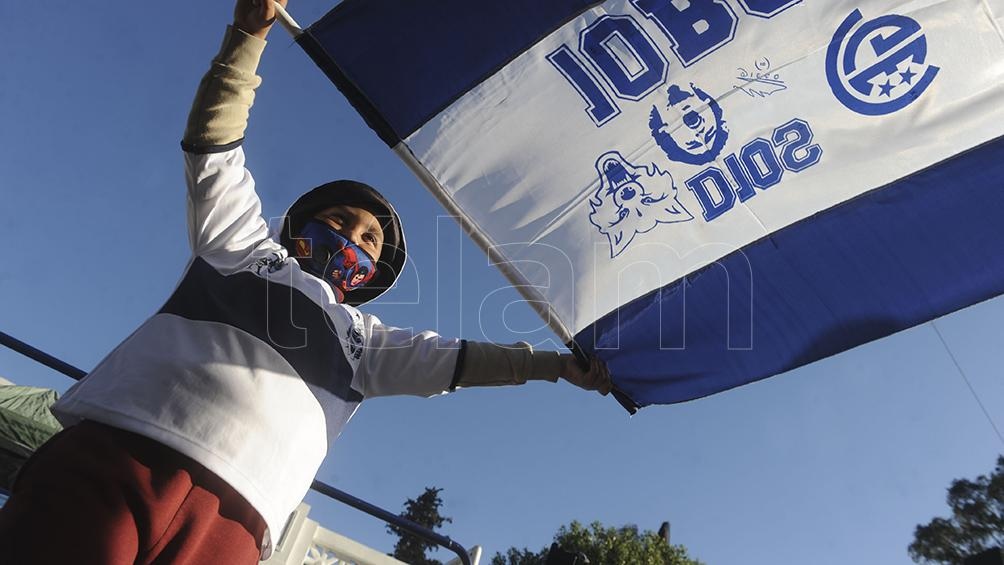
[327, 254]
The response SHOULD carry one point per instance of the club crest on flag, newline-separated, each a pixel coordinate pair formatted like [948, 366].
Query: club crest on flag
[881, 67]
[632, 200]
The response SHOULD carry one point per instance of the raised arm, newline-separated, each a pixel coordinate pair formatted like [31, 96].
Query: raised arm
[220, 111]
[224, 212]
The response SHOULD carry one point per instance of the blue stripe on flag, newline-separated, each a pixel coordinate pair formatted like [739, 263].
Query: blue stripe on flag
[412, 65]
[893, 258]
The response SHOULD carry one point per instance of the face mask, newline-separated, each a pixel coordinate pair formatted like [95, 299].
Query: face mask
[327, 254]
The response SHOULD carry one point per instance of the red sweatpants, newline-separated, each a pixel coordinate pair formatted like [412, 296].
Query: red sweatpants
[98, 495]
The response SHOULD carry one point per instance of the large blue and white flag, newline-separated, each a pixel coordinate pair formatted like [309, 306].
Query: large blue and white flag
[703, 193]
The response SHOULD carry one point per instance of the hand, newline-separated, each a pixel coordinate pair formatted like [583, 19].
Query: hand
[596, 378]
[255, 17]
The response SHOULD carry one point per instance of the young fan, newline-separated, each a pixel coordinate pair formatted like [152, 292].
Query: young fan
[194, 440]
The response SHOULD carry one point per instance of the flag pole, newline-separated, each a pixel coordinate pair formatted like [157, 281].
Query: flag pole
[287, 21]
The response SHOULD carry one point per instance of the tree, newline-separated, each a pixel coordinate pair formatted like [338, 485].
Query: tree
[424, 511]
[976, 524]
[605, 545]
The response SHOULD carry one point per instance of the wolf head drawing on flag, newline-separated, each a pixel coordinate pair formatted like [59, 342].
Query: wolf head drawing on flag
[632, 200]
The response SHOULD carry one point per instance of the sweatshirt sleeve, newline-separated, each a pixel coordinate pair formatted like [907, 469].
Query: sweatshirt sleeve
[491, 364]
[224, 211]
[402, 361]
[223, 100]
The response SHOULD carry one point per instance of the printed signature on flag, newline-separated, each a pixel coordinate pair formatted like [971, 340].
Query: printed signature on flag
[761, 81]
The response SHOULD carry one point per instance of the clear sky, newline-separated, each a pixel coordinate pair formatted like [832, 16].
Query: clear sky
[830, 464]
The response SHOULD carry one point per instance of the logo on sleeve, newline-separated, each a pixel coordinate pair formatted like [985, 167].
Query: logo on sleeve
[354, 342]
[880, 66]
[269, 264]
[349, 326]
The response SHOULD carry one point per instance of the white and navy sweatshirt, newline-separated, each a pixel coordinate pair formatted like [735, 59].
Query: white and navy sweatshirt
[251, 367]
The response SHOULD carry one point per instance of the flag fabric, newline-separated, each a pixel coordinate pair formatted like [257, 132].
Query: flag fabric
[703, 193]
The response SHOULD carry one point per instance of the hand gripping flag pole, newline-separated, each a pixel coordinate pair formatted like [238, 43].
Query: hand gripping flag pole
[287, 21]
[76, 374]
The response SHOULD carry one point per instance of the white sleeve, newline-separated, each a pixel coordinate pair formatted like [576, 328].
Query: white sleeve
[224, 212]
[402, 361]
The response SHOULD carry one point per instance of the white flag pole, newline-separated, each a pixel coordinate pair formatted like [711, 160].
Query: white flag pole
[287, 21]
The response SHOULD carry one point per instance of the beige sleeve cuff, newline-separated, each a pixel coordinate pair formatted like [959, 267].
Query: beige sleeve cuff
[489, 364]
[223, 101]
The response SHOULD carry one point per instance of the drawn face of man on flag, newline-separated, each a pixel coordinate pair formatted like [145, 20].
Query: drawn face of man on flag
[692, 130]
[632, 200]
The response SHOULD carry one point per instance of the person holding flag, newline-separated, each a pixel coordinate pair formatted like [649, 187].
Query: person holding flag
[194, 440]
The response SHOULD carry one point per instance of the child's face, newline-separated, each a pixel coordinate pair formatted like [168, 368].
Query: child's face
[357, 225]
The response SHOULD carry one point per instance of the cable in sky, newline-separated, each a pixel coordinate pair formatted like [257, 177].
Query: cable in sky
[968, 384]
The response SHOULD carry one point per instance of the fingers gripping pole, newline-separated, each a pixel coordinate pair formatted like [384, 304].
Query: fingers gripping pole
[287, 21]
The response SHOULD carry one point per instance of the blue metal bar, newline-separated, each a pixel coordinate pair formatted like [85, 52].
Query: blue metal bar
[404, 524]
[41, 356]
[325, 489]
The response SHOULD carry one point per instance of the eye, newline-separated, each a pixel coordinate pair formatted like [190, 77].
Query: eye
[370, 237]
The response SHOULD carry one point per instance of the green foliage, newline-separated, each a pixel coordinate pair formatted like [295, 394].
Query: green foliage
[605, 546]
[424, 511]
[976, 524]
[520, 557]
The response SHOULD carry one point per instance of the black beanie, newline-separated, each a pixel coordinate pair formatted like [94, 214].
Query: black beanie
[360, 195]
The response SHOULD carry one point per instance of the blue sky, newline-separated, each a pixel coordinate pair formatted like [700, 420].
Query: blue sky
[833, 463]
